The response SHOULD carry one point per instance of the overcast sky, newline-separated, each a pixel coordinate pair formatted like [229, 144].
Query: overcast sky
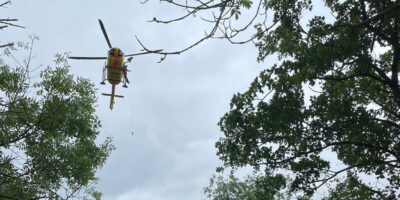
[172, 108]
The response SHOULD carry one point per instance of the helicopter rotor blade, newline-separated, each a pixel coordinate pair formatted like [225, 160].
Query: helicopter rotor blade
[105, 33]
[87, 58]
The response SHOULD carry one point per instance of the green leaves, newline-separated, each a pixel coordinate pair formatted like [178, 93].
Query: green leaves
[251, 188]
[47, 134]
[330, 92]
[235, 12]
[235, 7]
[245, 3]
[351, 188]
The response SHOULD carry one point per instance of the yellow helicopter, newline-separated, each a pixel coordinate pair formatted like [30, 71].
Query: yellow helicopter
[115, 69]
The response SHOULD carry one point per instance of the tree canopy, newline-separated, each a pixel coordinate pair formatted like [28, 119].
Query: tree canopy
[334, 89]
[253, 187]
[48, 129]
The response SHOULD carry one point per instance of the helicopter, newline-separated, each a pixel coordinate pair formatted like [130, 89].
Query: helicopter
[115, 69]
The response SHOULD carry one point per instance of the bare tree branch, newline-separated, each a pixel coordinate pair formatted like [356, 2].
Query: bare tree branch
[11, 24]
[7, 45]
[221, 22]
[165, 53]
[5, 3]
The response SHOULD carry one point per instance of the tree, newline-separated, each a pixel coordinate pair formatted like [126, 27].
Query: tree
[351, 188]
[222, 16]
[256, 186]
[350, 62]
[335, 89]
[48, 129]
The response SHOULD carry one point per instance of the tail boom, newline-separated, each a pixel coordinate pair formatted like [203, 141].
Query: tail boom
[112, 95]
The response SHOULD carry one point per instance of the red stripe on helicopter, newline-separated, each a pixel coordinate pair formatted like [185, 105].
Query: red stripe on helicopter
[116, 57]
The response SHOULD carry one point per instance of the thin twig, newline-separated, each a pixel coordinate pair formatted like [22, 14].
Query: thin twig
[3, 4]
[7, 45]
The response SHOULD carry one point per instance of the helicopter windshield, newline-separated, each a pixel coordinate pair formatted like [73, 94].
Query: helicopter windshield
[120, 53]
[111, 52]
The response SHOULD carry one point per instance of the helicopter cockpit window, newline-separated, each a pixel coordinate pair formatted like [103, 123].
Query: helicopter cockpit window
[111, 52]
[120, 53]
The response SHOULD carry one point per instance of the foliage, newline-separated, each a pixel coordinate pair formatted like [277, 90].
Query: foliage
[253, 187]
[351, 188]
[335, 89]
[48, 129]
